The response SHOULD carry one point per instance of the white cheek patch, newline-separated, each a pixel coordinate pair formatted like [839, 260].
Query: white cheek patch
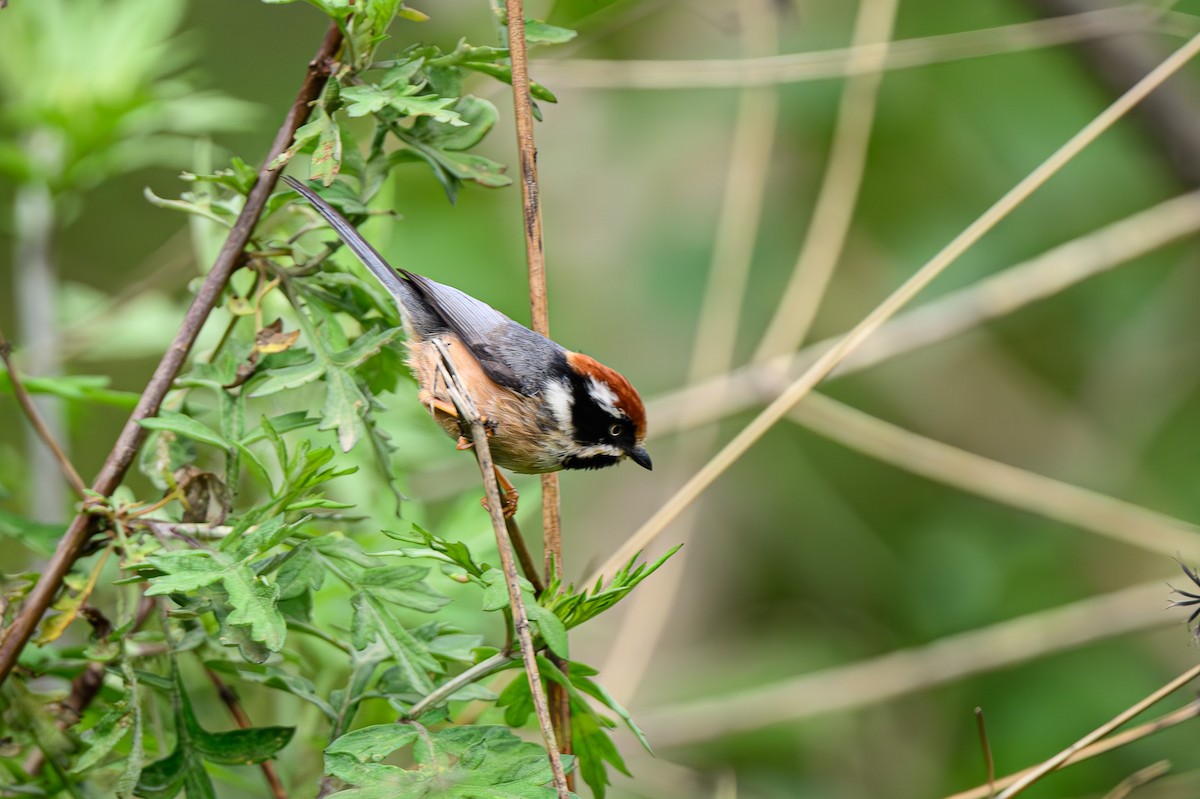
[604, 396]
[559, 400]
[598, 449]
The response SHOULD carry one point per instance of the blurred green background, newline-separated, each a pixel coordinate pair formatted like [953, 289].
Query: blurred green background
[806, 558]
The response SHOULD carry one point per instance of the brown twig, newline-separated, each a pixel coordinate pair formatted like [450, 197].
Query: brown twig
[122, 455]
[470, 416]
[528, 567]
[1185, 713]
[1036, 773]
[989, 764]
[243, 721]
[535, 255]
[35, 419]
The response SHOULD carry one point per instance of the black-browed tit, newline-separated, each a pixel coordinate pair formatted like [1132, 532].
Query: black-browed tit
[547, 408]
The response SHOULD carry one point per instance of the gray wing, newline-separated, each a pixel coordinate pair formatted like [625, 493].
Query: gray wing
[510, 353]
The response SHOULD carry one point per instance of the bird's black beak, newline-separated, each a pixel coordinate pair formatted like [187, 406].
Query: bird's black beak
[641, 457]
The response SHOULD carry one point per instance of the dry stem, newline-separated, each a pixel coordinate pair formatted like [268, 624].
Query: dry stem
[825, 239]
[1185, 713]
[35, 419]
[951, 314]
[1089, 510]
[758, 427]
[1035, 774]
[122, 455]
[470, 415]
[719, 73]
[906, 671]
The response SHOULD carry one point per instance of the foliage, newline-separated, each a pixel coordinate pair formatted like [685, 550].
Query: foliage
[249, 567]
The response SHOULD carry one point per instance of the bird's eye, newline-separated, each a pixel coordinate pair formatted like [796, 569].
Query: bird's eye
[615, 430]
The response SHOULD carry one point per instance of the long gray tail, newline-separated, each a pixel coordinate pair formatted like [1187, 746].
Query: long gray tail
[394, 283]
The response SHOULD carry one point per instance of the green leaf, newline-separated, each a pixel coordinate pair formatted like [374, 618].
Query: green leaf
[41, 537]
[371, 99]
[255, 606]
[241, 747]
[371, 744]
[344, 407]
[373, 620]
[480, 117]
[495, 591]
[365, 347]
[538, 32]
[467, 166]
[252, 600]
[404, 586]
[549, 626]
[504, 73]
[473, 762]
[77, 388]
[281, 424]
[102, 737]
[186, 426]
[273, 677]
[289, 377]
[184, 570]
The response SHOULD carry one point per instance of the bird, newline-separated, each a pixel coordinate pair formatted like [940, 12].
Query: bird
[545, 407]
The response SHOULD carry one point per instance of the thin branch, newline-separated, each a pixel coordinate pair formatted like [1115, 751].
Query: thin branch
[470, 416]
[580, 73]
[472, 675]
[989, 764]
[949, 315]
[133, 434]
[1053, 499]
[1175, 717]
[1103, 730]
[906, 671]
[535, 253]
[762, 423]
[825, 239]
[35, 419]
[532, 573]
[531, 208]
[243, 721]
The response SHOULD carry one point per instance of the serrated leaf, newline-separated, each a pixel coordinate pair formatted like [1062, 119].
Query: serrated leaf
[101, 738]
[255, 606]
[372, 619]
[184, 570]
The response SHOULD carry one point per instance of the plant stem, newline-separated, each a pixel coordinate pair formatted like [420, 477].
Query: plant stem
[535, 255]
[39, 424]
[133, 434]
[470, 415]
[472, 675]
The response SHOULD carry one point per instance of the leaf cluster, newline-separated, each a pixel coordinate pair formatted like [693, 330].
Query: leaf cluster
[247, 564]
